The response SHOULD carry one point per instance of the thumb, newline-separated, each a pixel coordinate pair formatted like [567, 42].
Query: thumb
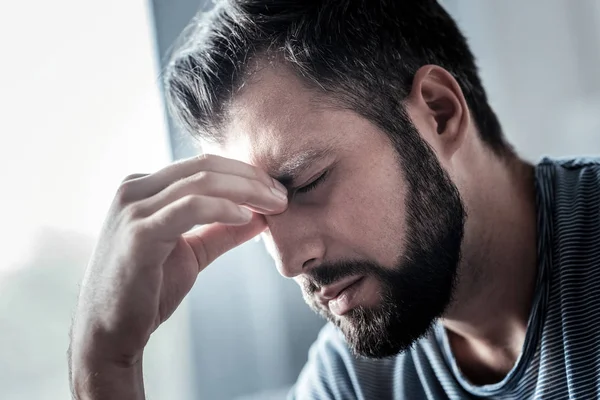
[211, 241]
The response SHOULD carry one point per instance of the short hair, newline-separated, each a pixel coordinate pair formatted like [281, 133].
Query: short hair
[361, 53]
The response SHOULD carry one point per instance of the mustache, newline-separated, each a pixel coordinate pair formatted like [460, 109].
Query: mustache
[328, 273]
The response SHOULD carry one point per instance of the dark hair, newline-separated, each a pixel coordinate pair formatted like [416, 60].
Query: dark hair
[363, 54]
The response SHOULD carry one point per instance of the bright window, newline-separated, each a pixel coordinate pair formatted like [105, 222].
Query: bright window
[80, 108]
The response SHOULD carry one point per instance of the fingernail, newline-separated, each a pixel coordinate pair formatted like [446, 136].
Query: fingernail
[246, 213]
[279, 186]
[280, 195]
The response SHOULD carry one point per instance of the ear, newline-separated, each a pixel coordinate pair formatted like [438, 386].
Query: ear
[440, 108]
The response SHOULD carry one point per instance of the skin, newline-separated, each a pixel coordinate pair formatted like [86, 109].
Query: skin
[146, 261]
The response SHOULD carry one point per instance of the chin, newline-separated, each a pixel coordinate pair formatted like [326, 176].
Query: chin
[378, 336]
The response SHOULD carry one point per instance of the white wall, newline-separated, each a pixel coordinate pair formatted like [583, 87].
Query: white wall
[79, 109]
[540, 60]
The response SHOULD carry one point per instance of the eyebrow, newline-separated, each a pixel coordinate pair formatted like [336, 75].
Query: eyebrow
[290, 170]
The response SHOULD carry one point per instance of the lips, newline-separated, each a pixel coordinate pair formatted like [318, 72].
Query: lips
[330, 292]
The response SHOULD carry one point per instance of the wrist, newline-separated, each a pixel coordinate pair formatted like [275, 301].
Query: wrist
[96, 379]
[97, 372]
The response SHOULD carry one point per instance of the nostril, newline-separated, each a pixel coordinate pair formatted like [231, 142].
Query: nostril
[309, 263]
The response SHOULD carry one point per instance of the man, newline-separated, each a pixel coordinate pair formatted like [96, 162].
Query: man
[356, 137]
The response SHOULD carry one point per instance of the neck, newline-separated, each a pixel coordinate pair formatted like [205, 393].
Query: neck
[488, 320]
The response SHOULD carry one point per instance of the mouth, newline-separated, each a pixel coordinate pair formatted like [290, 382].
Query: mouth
[339, 298]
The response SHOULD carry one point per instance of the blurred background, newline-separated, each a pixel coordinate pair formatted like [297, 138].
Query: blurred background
[81, 107]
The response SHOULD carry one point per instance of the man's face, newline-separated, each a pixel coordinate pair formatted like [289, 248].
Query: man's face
[374, 246]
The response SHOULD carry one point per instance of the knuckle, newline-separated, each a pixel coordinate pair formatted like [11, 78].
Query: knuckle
[204, 178]
[256, 174]
[131, 177]
[262, 176]
[136, 234]
[133, 212]
[205, 159]
[122, 196]
[190, 202]
[125, 192]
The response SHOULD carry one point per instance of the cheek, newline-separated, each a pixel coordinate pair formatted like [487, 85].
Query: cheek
[370, 217]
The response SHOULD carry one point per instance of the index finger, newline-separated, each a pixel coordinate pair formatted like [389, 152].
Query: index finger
[156, 182]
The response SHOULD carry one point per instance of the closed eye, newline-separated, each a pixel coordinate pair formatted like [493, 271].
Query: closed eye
[313, 184]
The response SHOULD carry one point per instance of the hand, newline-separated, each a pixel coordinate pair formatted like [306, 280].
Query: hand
[147, 260]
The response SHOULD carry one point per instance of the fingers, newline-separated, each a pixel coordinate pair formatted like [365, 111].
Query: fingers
[238, 189]
[211, 241]
[214, 192]
[183, 214]
[152, 184]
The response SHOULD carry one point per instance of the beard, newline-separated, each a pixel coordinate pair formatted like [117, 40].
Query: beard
[420, 287]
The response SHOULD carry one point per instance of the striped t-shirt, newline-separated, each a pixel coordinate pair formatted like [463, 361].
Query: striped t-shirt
[561, 354]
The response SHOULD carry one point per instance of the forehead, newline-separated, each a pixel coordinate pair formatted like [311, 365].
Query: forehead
[275, 118]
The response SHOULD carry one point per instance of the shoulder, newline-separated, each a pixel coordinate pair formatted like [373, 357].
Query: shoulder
[570, 201]
[572, 185]
[571, 182]
[571, 162]
[571, 166]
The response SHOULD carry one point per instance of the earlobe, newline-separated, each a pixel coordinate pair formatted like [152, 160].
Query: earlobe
[438, 95]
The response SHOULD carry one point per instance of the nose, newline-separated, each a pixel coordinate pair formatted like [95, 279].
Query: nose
[294, 242]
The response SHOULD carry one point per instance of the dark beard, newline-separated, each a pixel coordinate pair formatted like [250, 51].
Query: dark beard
[420, 288]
